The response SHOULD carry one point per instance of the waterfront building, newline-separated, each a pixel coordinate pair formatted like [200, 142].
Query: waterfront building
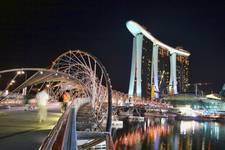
[182, 73]
[146, 71]
[160, 58]
[182, 70]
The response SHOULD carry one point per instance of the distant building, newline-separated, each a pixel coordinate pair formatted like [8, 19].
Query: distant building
[163, 69]
[222, 92]
[146, 67]
[182, 73]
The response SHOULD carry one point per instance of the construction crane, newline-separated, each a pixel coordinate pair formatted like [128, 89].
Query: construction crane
[160, 82]
[199, 84]
[222, 92]
[162, 76]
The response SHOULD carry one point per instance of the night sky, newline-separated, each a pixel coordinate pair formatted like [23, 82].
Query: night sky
[34, 32]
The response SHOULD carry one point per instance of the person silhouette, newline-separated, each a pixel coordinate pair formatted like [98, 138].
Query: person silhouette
[42, 100]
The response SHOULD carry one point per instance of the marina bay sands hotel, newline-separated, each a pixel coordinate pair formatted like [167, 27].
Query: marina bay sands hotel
[156, 67]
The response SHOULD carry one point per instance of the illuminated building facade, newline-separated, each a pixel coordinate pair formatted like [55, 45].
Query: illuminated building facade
[146, 71]
[182, 68]
[157, 55]
[164, 71]
[182, 73]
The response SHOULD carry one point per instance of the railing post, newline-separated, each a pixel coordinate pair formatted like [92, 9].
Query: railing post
[109, 142]
[70, 136]
[73, 139]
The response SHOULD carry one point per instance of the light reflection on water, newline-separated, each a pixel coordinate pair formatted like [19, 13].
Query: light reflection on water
[163, 134]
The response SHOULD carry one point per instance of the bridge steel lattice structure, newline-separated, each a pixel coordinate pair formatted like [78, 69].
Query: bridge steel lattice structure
[88, 82]
[136, 68]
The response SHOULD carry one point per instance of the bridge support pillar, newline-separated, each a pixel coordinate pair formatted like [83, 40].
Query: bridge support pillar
[154, 71]
[173, 75]
[135, 76]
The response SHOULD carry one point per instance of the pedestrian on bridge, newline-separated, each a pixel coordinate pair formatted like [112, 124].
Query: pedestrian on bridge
[42, 100]
[61, 102]
[66, 99]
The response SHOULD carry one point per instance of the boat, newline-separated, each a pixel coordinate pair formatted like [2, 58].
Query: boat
[136, 119]
[116, 123]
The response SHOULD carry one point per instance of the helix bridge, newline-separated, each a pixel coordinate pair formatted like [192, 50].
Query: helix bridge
[88, 117]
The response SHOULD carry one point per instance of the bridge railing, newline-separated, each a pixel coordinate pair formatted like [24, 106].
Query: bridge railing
[57, 136]
[64, 135]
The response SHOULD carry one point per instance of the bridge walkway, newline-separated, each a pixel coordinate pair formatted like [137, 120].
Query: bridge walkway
[20, 129]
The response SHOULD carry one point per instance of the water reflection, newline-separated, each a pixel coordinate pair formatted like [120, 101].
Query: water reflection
[163, 134]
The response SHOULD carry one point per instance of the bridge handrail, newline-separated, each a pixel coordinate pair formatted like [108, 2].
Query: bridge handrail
[70, 136]
[63, 135]
[54, 133]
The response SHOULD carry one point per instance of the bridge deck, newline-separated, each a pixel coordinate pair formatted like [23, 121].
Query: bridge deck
[21, 130]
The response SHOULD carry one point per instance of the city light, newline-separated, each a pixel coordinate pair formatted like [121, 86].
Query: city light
[20, 72]
[164, 72]
[12, 81]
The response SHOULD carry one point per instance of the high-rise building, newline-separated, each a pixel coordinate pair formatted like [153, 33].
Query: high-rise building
[182, 73]
[163, 70]
[146, 67]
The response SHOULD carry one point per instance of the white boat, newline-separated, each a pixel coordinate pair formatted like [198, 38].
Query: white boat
[136, 119]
